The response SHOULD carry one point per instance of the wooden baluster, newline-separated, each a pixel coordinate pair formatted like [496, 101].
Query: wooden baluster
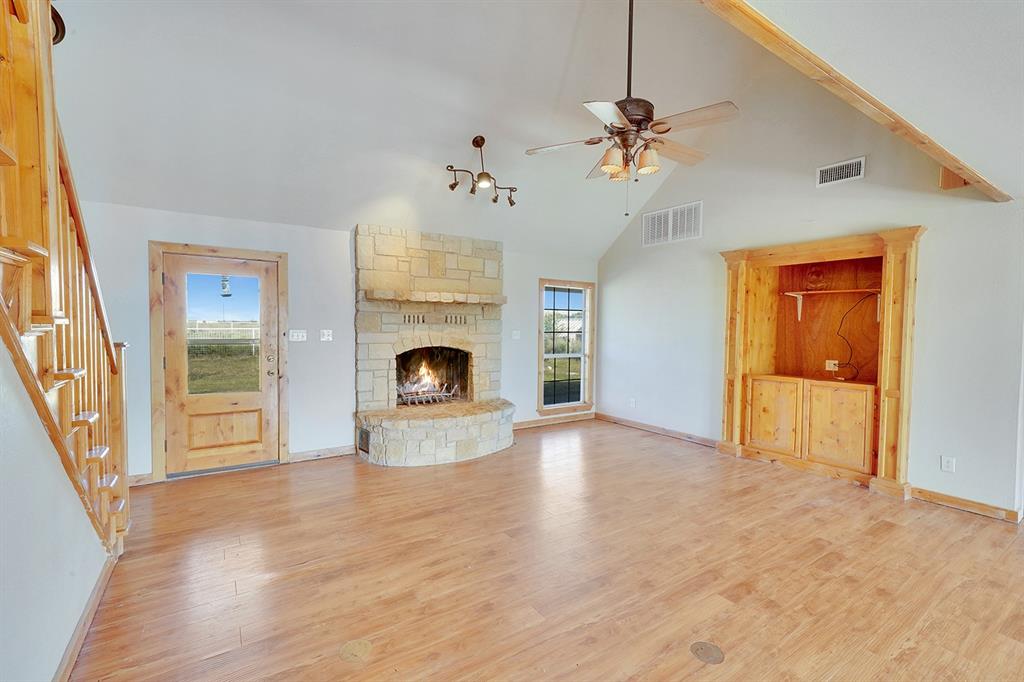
[76, 323]
[118, 432]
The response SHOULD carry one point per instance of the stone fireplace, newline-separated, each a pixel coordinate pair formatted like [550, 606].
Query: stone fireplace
[428, 348]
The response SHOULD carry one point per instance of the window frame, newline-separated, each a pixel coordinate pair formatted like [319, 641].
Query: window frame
[587, 355]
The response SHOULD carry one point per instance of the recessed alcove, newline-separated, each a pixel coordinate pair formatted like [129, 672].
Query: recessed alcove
[818, 343]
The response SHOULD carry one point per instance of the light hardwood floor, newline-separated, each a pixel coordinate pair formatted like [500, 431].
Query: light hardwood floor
[589, 551]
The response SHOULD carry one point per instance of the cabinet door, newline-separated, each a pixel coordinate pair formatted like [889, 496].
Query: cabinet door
[773, 413]
[839, 424]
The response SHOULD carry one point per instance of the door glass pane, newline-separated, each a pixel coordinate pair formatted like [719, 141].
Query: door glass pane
[223, 333]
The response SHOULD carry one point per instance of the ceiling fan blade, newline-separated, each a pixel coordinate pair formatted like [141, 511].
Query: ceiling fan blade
[713, 113]
[556, 147]
[678, 152]
[596, 171]
[609, 114]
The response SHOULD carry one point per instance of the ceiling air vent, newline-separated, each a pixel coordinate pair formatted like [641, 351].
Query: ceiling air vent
[844, 171]
[673, 224]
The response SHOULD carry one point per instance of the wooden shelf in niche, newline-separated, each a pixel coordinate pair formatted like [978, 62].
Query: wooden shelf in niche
[799, 296]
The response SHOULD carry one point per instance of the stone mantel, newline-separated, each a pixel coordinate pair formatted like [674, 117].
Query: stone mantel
[434, 297]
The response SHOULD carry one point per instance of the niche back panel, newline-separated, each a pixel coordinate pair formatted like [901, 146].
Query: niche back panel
[802, 347]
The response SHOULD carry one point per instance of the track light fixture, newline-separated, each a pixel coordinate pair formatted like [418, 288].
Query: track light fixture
[483, 179]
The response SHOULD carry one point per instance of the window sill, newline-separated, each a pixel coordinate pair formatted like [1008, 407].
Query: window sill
[565, 409]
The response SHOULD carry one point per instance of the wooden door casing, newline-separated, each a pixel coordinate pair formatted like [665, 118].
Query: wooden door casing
[215, 430]
[774, 413]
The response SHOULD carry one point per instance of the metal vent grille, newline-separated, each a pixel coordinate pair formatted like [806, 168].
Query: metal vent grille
[844, 171]
[673, 224]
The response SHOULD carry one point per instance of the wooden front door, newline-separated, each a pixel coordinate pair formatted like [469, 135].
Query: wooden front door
[221, 362]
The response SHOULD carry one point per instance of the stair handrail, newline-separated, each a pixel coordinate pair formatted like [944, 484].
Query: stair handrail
[83, 243]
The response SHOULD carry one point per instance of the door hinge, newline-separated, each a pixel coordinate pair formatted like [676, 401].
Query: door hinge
[163, 278]
[165, 445]
[165, 362]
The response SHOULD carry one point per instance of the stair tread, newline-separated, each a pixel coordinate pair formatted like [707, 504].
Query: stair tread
[69, 373]
[109, 482]
[49, 321]
[87, 418]
[97, 454]
[25, 247]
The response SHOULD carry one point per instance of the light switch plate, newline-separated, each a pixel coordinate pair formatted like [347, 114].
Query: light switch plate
[515, 334]
[296, 334]
[327, 335]
[948, 464]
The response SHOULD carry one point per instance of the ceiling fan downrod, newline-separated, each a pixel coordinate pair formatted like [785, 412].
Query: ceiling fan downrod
[629, 54]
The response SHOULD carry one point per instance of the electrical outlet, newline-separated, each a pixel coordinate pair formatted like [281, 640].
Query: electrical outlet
[327, 335]
[948, 464]
[296, 334]
[832, 365]
[632, 402]
[515, 335]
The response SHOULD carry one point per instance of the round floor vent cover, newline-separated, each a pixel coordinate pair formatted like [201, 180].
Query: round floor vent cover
[707, 652]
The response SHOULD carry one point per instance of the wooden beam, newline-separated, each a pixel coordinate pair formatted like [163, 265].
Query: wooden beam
[756, 26]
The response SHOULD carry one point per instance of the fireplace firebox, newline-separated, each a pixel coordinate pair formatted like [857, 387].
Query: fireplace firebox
[434, 374]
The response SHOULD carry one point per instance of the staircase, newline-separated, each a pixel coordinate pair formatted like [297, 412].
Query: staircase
[52, 318]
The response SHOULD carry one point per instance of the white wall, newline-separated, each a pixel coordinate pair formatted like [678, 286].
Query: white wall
[321, 296]
[51, 556]
[661, 309]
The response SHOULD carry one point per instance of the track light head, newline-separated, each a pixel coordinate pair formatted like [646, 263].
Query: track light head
[511, 201]
[472, 189]
[494, 199]
[453, 185]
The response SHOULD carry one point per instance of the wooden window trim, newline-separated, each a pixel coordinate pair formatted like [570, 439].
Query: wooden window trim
[589, 343]
[158, 419]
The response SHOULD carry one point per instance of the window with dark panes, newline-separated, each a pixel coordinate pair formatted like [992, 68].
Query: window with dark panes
[565, 324]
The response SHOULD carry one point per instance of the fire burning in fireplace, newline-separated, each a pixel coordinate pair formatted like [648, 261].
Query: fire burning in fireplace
[431, 375]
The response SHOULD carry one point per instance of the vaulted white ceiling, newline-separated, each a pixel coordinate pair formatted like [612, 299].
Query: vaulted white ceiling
[335, 113]
[953, 69]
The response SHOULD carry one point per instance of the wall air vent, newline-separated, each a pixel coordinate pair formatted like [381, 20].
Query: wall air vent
[673, 224]
[844, 171]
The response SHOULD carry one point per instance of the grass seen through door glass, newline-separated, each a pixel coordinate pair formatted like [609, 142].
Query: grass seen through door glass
[223, 369]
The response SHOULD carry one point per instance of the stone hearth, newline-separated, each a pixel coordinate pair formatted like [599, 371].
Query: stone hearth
[418, 290]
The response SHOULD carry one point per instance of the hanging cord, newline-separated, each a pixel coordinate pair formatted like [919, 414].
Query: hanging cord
[839, 333]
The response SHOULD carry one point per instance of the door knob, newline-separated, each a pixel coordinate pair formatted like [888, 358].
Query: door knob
[270, 358]
[270, 372]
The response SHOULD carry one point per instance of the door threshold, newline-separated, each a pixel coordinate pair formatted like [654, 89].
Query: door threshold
[221, 470]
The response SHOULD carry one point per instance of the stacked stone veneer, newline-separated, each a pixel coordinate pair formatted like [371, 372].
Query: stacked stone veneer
[418, 289]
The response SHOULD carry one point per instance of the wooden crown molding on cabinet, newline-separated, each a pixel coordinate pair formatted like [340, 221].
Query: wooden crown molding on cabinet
[761, 30]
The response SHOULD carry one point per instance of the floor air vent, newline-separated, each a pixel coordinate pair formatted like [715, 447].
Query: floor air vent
[673, 224]
[844, 171]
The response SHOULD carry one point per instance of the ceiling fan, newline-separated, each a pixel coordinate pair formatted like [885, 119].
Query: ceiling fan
[635, 134]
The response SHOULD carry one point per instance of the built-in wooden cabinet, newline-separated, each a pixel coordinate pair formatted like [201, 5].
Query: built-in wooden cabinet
[817, 355]
[825, 422]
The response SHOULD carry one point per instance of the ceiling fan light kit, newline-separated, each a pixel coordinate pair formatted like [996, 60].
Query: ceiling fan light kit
[630, 125]
[481, 180]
